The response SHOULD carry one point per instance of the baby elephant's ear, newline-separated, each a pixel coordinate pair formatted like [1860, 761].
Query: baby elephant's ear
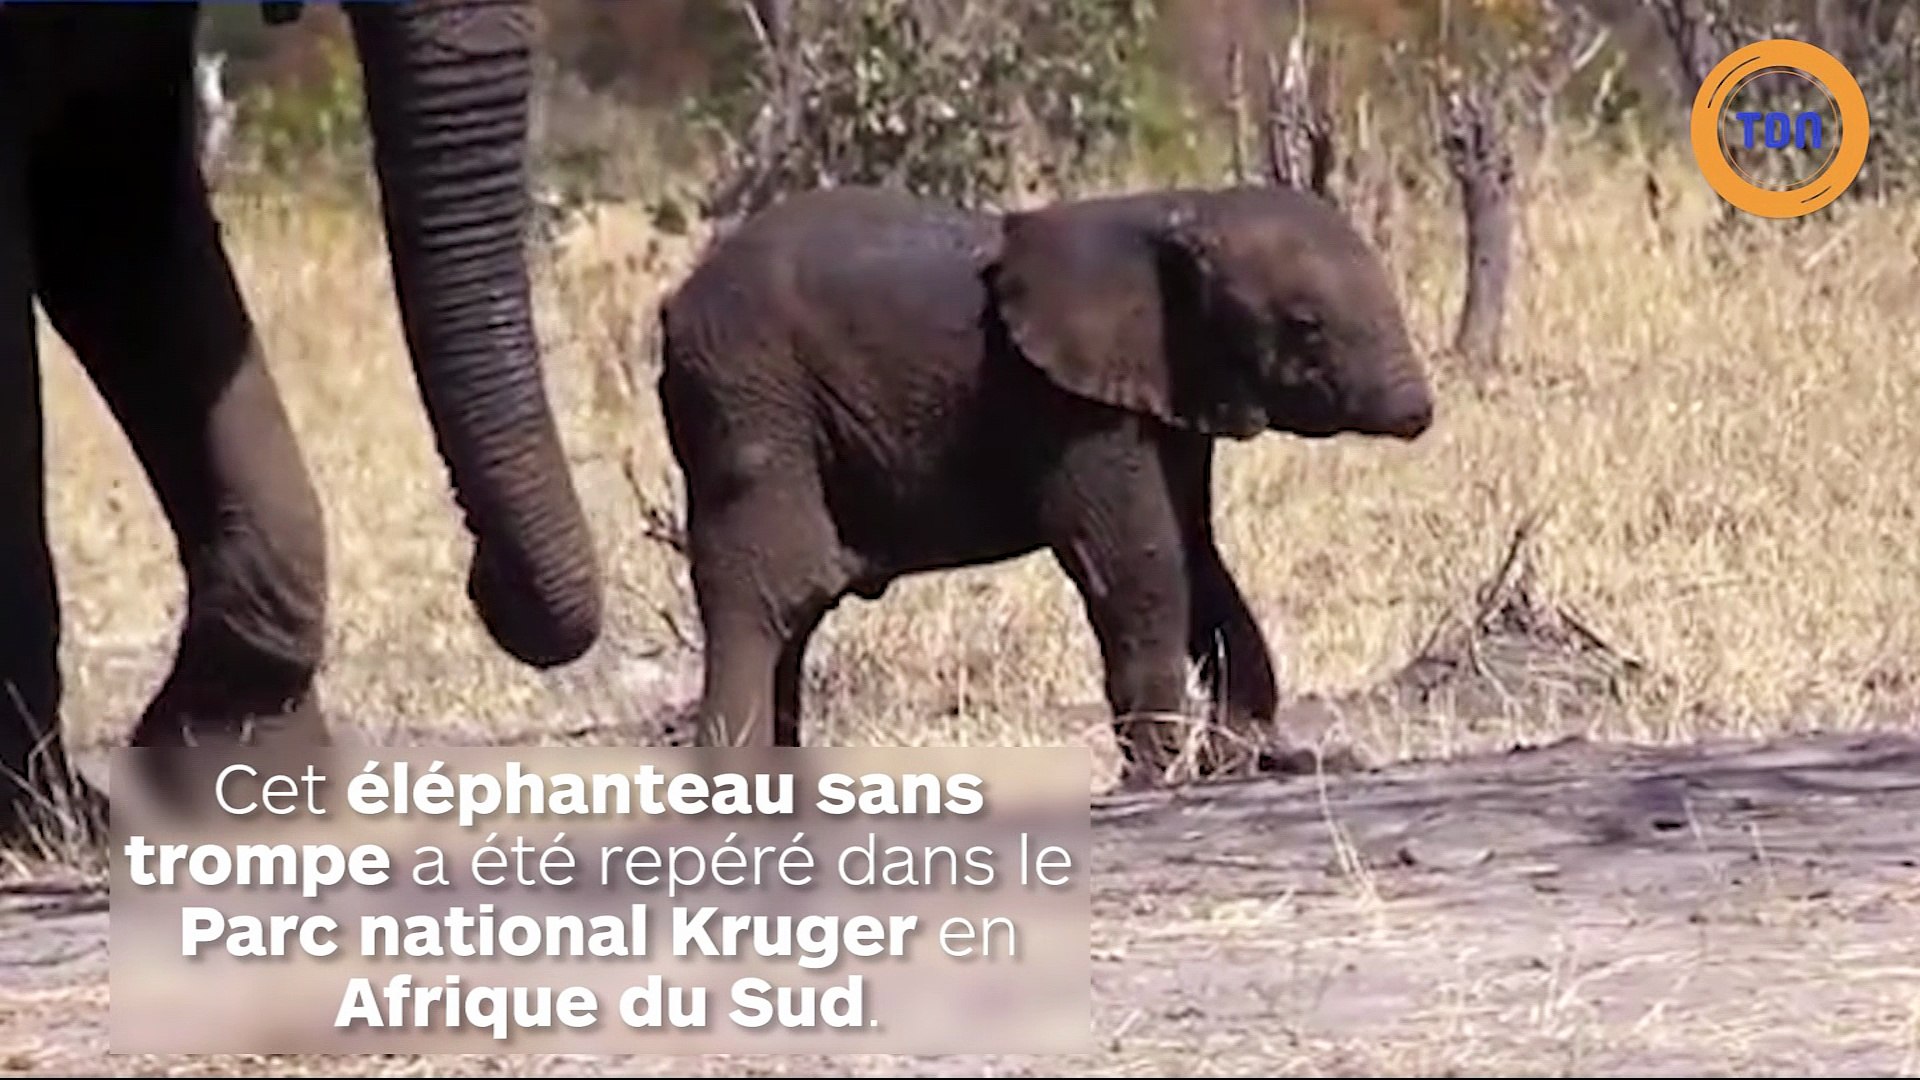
[1081, 292]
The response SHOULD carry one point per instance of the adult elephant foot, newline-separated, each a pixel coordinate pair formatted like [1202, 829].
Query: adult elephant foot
[186, 713]
[190, 732]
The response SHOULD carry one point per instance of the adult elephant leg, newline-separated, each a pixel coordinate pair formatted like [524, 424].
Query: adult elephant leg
[1224, 638]
[34, 772]
[1107, 517]
[133, 276]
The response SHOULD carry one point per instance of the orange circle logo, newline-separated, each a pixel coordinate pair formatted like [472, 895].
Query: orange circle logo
[1841, 160]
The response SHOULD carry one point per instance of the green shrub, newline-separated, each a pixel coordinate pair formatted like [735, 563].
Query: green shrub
[311, 126]
[947, 98]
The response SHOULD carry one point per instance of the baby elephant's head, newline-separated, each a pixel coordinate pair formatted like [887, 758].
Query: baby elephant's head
[1228, 312]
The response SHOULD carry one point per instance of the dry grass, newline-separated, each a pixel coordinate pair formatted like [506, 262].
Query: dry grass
[1715, 431]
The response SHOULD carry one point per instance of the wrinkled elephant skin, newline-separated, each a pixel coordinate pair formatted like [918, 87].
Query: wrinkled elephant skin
[861, 385]
[104, 218]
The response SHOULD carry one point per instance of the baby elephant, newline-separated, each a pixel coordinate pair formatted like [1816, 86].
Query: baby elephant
[861, 384]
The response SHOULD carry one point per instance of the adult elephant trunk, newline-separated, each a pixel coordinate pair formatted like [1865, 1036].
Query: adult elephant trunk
[448, 86]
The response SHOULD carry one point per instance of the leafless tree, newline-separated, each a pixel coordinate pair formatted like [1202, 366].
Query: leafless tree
[1483, 168]
[1574, 44]
[1299, 132]
[1237, 111]
[1700, 33]
[215, 114]
[1495, 113]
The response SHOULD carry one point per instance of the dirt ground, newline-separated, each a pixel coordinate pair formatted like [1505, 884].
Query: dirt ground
[1578, 909]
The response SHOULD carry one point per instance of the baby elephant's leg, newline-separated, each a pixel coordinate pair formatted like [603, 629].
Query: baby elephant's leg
[1112, 527]
[1224, 637]
[766, 568]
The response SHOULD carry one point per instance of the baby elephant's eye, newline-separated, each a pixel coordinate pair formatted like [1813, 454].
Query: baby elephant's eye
[1304, 328]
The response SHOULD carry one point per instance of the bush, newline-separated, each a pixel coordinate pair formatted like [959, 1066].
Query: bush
[946, 98]
[316, 122]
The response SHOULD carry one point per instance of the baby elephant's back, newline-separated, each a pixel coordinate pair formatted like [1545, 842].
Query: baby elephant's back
[870, 295]
[848, 327]
[884, 278]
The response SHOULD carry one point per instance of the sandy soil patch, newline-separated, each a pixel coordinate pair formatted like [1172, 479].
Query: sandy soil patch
[1727, 908]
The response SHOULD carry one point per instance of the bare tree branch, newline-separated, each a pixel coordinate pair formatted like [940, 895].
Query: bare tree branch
[1482, 165]
[1237, 110]
[214, 115]
[1299, 127]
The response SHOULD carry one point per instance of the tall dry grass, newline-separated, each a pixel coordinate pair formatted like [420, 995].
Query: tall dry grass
[1715, 431]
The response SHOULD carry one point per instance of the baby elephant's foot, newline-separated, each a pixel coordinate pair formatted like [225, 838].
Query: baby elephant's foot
[1134, 778]
[679, 727]
[1289, 759]
[1150, 747]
